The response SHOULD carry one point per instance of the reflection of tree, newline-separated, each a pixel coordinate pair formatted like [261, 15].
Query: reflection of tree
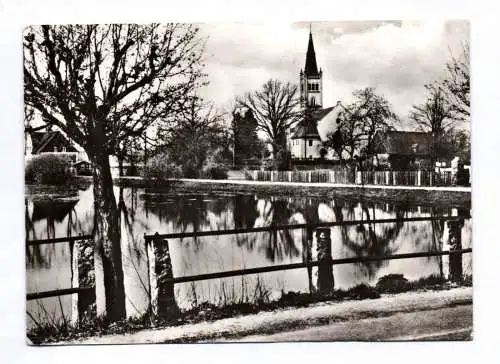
[437, 239]
[279, 244]
[52, 212]
[367, 240]
[245, 214]
[185, 212]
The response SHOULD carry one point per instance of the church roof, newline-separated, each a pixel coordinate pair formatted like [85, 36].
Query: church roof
[311, 68]
[308, 128]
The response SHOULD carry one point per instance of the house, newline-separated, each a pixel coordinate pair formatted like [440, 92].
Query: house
[305, 139]
[52, 142]
[400, 150]
[83, 168]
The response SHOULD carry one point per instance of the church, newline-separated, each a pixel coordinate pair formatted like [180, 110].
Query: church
[305, 139]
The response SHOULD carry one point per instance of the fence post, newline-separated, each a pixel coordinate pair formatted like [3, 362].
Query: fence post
[290, 176]
[75, 281]
[162, 295]
[255, 175]
[394, 177]
[386, 177]
[419, 178]
[308, 256]
[455, 242]
[82, 275]
[325, 268]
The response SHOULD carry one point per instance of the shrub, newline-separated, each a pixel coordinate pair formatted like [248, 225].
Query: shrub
[392, 283]
[48, 169]
[159, 169]
[214, 168]
[216, 172]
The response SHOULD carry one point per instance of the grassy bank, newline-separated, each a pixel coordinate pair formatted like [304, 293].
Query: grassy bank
[89, 327]
[421, 197]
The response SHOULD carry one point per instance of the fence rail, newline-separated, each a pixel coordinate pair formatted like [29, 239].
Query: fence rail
[386, 178]
[160, 264]
[274, 268]
[68, 239]
[297, 226]
[58, 292]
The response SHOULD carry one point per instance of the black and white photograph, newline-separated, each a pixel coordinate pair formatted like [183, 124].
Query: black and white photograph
[272, 181]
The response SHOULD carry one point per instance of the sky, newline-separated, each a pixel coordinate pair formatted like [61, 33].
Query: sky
[396, 57]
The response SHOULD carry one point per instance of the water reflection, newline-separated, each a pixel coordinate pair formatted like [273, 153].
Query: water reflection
[146, 211]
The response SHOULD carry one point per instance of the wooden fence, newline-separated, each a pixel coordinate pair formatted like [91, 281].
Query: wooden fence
[162, 280]
[83, 295]
[160, 265]
[386, 178]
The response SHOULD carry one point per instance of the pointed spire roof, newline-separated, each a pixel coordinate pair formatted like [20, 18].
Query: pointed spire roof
[311, 68]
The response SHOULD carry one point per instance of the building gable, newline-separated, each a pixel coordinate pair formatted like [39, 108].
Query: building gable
[52, 141]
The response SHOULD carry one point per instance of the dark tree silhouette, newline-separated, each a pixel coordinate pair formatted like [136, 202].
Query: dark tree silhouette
[434, 116]
[360, 120]
[456, 84]
[276, 108]
[101, 85]
[197, 135]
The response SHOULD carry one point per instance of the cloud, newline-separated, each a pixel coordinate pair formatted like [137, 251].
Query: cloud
[398, 58]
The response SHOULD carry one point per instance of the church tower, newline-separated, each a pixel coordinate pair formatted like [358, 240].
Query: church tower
[311, 81]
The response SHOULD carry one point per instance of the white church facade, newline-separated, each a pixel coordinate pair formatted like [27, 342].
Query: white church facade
[305, 140]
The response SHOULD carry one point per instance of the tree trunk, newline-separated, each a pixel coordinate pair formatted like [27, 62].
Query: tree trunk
[120, 165]
[110, 290]
[274, 151]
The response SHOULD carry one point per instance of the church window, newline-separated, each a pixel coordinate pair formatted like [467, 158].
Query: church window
[310, 143]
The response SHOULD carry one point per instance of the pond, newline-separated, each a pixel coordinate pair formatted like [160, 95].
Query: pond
[60, 213]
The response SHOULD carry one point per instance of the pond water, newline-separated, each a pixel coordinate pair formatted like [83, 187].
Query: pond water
[64, 213]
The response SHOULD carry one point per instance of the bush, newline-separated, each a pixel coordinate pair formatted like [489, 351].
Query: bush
[216, 172]
[48, 169]
[214, 167]
[392, 283]
[159, 169]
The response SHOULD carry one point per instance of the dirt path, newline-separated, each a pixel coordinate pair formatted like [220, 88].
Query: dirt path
[292, 319]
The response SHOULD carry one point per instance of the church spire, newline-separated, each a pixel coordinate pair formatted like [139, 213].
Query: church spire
[311, 68]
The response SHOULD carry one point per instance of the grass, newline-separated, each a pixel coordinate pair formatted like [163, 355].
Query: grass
[229, 305]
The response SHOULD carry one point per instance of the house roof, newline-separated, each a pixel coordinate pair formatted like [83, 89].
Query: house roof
[403, 143]
[308, 128]
[42, 140]
[311, 68]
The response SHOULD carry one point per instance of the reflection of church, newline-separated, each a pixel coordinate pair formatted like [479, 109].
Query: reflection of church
[305, 140]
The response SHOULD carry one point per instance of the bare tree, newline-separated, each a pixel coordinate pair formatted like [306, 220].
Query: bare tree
[346, 139]
[367, 114]
[373, 113]
[434, 116]
[456, 84]
[275, 107]
[197, 134]
[100, 85]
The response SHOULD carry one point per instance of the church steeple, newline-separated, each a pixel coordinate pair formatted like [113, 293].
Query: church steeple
[311, 68]
[311, 80]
